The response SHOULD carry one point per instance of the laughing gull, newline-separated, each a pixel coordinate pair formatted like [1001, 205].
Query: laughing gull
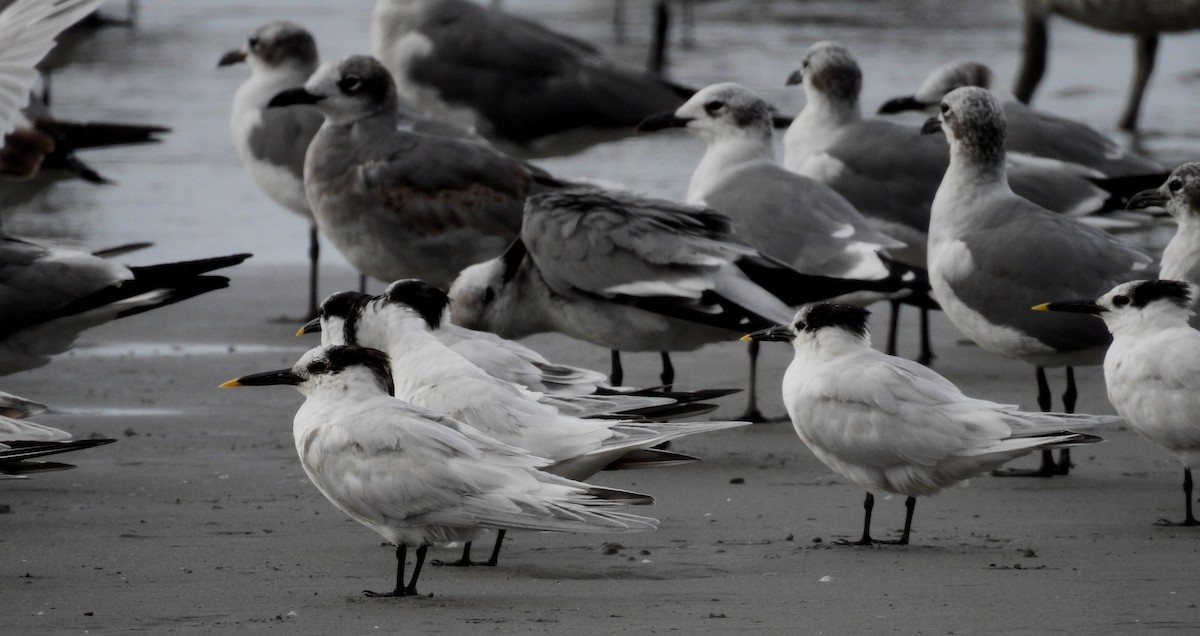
[1030, 131]
[791, 217]
[22, 442]
[427, 374]
[417, 477]
[525, 87]
[891, 173]
[271, 142]
[1180, 195]
[1143, 19]
[48, 295]
[399, 203]
[633, 274]
[1152, 368]
[993, 254]
[890, 424]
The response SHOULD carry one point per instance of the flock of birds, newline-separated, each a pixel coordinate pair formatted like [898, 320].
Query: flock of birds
[427, 422]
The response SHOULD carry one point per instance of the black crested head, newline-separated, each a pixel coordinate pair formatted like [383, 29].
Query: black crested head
[822, 315]
[338, 358]
[1146, 292]
[346, 305]
[427, 300]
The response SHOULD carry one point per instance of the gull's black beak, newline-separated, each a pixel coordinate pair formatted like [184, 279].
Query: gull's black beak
[931, 125]
[269, 378]
[293, 96]
[1072, 306]
[312, 326]
[901, 104]
[232, 57]
[797, 77]
[1147, 199]
[660, 121]
[778, 333]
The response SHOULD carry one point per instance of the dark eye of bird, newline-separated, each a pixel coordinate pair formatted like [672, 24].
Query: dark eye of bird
[1121, 301]
[318, 366]
[350, 84]
[255, 43]
[800, 325]
[945, 108]
[714, 106]
[1174, 185]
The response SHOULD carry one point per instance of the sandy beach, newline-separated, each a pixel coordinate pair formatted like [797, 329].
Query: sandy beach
[200, 519]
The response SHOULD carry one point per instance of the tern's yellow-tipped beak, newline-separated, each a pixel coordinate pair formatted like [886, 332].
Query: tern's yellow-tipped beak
[232, 384]
[746, 338]
[1041, 307]
[312, 326]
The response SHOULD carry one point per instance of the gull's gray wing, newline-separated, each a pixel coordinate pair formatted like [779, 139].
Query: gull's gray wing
[1011, 250]
[1044, 135]
[529, 81]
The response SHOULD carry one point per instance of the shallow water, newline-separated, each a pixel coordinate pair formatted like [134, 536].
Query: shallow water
[190, 197]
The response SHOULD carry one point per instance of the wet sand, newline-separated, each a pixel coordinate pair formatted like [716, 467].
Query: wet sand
[201, 520]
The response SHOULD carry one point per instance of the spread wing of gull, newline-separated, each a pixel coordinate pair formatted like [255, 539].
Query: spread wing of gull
[28, 29]
[662, 256]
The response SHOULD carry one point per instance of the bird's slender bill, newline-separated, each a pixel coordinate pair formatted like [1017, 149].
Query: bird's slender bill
[267, 378]
[293, 96]
[312, 326]
[778, 333]
[901, 104]
[1146, 199]
[232, 57]
[1072, 306]
[796, 77]
[661, 121]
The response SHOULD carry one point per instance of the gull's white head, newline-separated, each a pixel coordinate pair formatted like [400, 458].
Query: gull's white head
[974, 124]
[830, 73]
[347, 90]
[1180, 194]
[277, 46]
[484, 298]
[1136, 305]
[725, 110]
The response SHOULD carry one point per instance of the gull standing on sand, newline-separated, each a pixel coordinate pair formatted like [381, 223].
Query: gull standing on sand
[1030, 131]
[993, 254]
[890, 424]
[398, 203]
[428, 374]
[529, 89]
[1180, 195]
[271, 142]
[633, 274]
[417, 477]
[1143, 19]
[1152, 368]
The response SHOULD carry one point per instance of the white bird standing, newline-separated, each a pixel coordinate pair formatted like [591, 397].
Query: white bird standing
[993, 253]
[271, 142]
[890, 424]
[417, 477]
[427, 374]
[1152, 368]
[1180, 195]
